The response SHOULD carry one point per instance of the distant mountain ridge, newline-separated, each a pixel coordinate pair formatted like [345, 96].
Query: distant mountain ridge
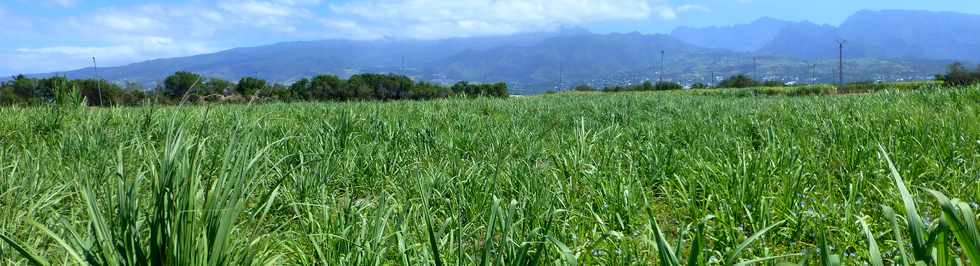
[538, 62]
[804, 40]
[290, 61]
[742, 37]
[888, 34]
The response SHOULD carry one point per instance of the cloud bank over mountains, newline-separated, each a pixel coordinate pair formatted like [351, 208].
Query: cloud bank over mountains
[119, 33]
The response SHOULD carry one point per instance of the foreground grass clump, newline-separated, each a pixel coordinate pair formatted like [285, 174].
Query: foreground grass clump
[635, 178]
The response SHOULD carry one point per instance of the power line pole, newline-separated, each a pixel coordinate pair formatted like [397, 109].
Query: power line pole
[661, 66]
[840, 63]
[755, 68]
[561, 81]
[813, 72]
[98, 81]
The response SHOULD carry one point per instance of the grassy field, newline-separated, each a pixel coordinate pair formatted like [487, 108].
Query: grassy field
[590, 178]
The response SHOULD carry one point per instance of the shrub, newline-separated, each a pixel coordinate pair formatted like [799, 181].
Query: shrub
[584, 87]
[176, 85]
[738, 81]
[249, 86]
[774, 83]
[667, 86]
[958, 75]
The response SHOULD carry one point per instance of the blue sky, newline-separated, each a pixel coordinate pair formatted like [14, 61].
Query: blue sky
[55, 35]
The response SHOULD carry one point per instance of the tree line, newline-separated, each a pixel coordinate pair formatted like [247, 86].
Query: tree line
[187, 87]
[958, 75]
[732, 82]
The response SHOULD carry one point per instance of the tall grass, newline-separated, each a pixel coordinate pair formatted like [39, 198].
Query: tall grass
[668, 178]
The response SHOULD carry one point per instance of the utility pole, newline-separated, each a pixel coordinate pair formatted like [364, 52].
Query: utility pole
[840, 63]
[661, 66]
[561, 80]
[755, 68]
[98, 81]
[813, 72]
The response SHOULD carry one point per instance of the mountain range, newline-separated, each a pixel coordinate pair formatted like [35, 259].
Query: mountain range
[881, 45]
[886, 34]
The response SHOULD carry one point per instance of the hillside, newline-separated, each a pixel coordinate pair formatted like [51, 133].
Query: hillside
[806, 41]
[914, 34]
[889, 34]
[742, 37]
[287, 62]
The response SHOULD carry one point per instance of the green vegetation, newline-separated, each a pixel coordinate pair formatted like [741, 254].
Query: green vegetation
[738, 81]
[958, 75]
[184, 87]
[743, 81]
[27, 91]
[645, 86]
[822, 89]
[668, 178]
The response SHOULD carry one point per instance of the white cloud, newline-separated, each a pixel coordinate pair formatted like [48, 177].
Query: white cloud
[63, 3]
[127, 33]
[669, 12]
[256, 8]
[434, 19]
[692, 8]
[35, 60]
[428, 19]
[125, 21]
[134, 22]
[280, 15]
[342, 28]
[15, 25]
[117, 36]
[141, 47]
[53, 3]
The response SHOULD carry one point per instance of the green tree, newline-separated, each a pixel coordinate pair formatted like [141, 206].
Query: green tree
[667, 86]
[97, 92]
[460, 87]
[584, 87]
[7, 96]
[216, 86]
[359, 87]
[24, 87]
[328, 87]
[480, 90]
[499, 90]
[248, 86]
[774, 83]
[178, 84]
[277, 92]
[646, 86]
[738, 81]
[425, 90]
[300, 90]
[46, 87]
[958, 75]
